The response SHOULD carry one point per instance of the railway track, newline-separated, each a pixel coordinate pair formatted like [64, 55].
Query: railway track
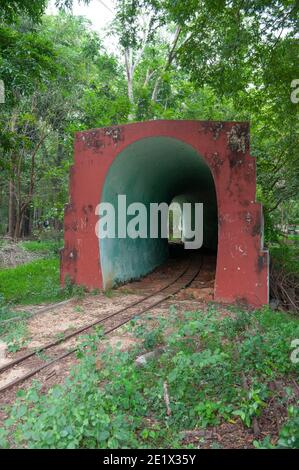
[110, 323]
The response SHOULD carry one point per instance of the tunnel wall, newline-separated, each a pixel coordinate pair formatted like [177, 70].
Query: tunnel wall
[242, 264]
[152, 170]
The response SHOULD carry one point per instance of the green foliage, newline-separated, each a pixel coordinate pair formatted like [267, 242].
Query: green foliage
[151, 337]
[252, 403]
[19, 48]
[73, 290]
[289, 435]
[109, 293]
[233, 61]
[287, 257]
[117, 405]
[5, 310]
[16, 338]
[33, 283]
[46, 247]
[14, 333]
[58, 80]
[10, 11]
[230, 61]
[63, 419]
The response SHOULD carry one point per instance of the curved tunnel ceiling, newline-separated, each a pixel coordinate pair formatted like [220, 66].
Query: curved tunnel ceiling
[154, 169]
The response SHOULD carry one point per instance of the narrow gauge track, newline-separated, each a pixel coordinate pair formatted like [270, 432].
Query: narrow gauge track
[114, 321]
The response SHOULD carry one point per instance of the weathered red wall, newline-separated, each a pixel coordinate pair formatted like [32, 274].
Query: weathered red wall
[242, 264]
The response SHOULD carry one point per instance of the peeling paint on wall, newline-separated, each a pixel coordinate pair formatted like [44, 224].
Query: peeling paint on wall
[224, 146]
[238, 138]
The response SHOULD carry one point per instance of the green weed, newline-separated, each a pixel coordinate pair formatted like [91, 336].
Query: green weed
[46, 247]
[204, 361]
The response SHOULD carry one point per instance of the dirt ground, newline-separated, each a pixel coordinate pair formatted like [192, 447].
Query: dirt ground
[225, 436]
[12, 254]
[49, 326]
[45, 327]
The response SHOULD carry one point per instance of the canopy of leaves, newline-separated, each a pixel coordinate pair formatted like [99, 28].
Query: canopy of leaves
[212, 59]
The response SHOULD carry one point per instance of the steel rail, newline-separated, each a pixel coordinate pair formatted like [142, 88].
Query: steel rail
[84, 328]
[90, 325]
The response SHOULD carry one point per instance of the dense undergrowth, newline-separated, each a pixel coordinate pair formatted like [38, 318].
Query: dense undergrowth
[205, 362]
[287, 256]
[109, 402]
[284, 275]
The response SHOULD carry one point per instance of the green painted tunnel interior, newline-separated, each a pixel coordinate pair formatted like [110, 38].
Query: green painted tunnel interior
[154, 170]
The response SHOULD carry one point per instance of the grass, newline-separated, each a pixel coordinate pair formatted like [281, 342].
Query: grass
[32, 283]
[14, 333]
[294, 237]
[204, 361]
[37, 281]
[16, 336]
[47, 247]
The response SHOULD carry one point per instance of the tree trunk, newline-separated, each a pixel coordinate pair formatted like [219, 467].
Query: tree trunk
[130, 90]
[11, 187]
[156, 89]
[11, 209]
[170, 59]
[130, 73]
[17, 226]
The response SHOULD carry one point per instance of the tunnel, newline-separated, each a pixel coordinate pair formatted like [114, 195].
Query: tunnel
[154, 170]
[159, 162]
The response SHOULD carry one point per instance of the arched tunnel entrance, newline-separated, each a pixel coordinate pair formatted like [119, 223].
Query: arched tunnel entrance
[154, 170]
[160, 162]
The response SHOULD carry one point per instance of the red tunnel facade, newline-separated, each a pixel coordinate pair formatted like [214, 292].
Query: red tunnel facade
[242, 273]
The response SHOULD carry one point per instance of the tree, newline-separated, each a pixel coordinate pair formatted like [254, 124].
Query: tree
[67, 83]
[26, 62]
[246, 52]
[12, 10]
[139, 28]
[221, 60]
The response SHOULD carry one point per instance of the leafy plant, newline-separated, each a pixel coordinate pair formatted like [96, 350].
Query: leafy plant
[118, 404]
[289, 435]
[252, 404]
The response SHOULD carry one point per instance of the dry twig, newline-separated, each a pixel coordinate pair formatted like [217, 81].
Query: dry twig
[166, 399]
[285, 288]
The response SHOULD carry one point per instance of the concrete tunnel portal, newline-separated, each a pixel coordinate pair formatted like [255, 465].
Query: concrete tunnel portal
[163, 161]
[154, 170]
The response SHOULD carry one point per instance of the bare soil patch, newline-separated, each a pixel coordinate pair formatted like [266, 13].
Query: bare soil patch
[12, 255]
